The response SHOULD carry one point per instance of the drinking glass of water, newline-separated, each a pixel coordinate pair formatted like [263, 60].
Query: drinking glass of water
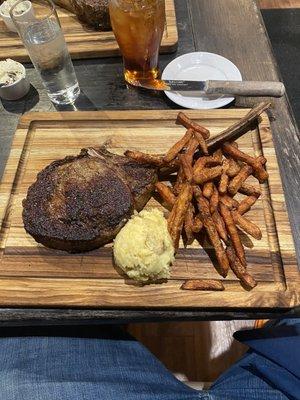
[43, 38]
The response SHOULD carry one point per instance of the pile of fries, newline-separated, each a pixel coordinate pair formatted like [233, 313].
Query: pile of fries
[201, 199]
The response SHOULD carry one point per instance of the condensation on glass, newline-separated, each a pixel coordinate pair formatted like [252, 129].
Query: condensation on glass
[138, 26]
[42, 36]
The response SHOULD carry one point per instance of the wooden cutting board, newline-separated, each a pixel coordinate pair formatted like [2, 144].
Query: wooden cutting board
[84, 42]
[32, 275]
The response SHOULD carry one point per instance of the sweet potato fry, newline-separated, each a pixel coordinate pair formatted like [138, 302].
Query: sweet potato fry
[239, 179]
[201, 141]
[262, 159]
[239, 270]
[207, 174]
[218, 156]
[144, 158]
[220, 225]
[246, 204]
[197, 192]
[224, 180]
[206, 161]
[200, 164]
[214, 200]
[233, 169]
[179, 181]
[258, 169]
[188, 225]
[184, 120]
[183, 200]
[223, 184]
[166, 194]
[171, 216]
[208, 189]
[186, 167]
[260, 172]
[178, 213]
[217, 244]
[212, 232]
[170, 219]
[233, 233]
[191, 149]
[197, 224]
[249, 190]
[205, 284]
[233, 151]
[246, 225]
[228, 201]
[256, 163]
[178, 146]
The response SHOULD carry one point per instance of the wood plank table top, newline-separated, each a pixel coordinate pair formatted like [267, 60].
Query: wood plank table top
[233, 29]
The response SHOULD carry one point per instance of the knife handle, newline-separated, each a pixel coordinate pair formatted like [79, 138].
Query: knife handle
[245, 88]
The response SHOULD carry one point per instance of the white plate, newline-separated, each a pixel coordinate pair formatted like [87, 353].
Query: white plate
[200, 66]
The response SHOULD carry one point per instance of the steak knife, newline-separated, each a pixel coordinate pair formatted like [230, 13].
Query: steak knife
[213, 87]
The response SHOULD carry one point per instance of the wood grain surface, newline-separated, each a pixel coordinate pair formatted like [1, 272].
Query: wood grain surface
[32, 275]
[82, 41]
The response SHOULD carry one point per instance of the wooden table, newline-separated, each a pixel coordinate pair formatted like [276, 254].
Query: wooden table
[232, 28]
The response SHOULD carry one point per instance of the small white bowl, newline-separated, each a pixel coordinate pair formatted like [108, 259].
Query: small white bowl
[16, 90]
[27, 15]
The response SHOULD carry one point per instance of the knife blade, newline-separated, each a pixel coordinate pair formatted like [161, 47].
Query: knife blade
[217, 87]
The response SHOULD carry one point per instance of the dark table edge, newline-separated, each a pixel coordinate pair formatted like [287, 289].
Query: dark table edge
[59, 316]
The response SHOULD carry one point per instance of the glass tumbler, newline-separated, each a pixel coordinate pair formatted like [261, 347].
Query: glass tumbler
[138, 26]
[42, 36]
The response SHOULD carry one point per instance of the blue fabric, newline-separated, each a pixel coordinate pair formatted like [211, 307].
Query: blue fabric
[270, 368]
[277, 343]
[104, 363]
[281, 345]
[87, 363]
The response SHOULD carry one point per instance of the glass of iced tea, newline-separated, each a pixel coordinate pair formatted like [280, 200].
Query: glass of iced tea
[138, 26]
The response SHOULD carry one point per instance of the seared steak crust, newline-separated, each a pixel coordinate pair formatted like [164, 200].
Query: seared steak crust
[80, 203]
[94, 13]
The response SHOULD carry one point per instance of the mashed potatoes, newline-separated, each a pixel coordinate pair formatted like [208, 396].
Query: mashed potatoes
[143, 249]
